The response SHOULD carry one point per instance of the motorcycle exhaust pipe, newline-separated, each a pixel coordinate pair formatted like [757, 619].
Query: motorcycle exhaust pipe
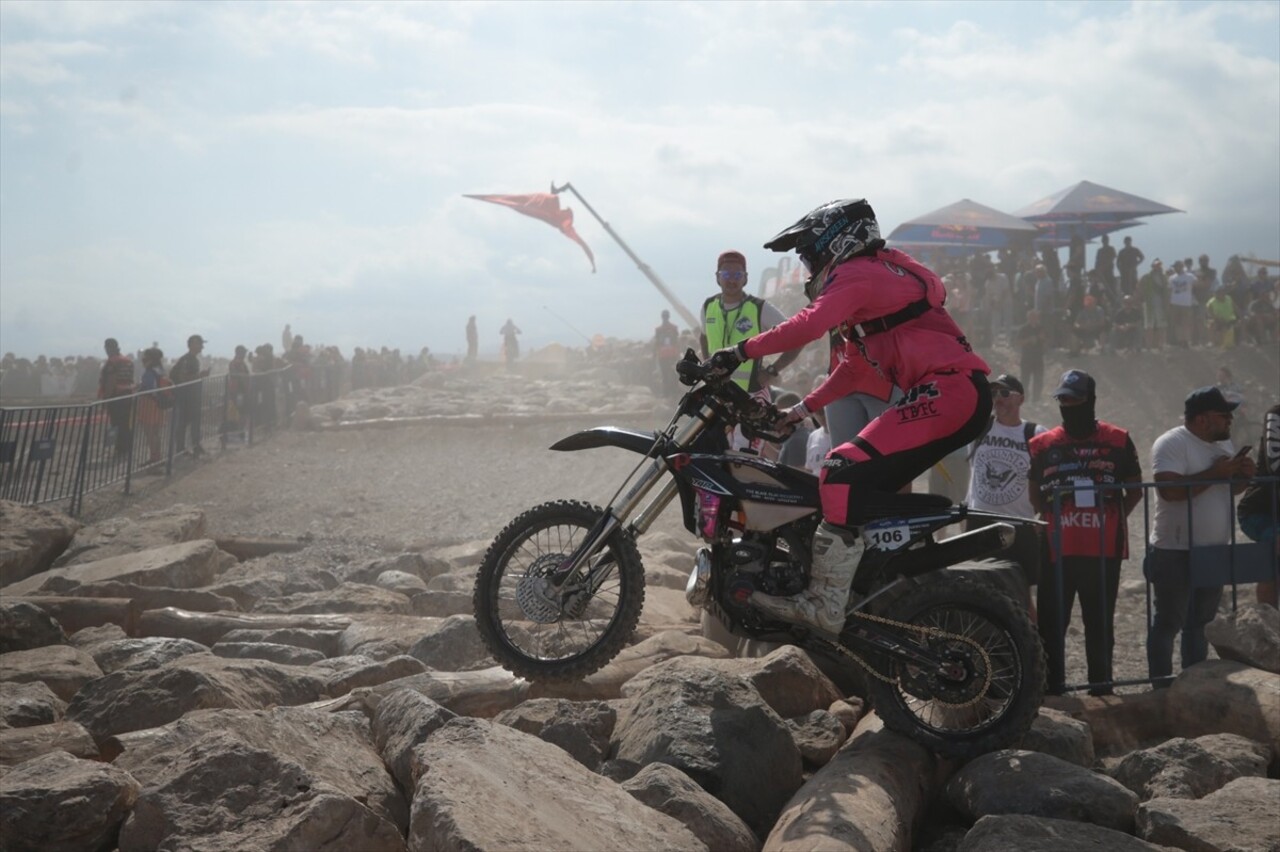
[971, 545]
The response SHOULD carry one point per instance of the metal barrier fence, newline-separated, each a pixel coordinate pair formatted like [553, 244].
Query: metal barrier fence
[1210, 566]
[62, 452]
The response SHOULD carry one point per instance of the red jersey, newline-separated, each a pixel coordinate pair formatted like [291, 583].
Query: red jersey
[868, 288]
[1093, 522]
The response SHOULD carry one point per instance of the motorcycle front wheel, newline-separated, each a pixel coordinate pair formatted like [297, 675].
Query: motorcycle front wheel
[991, 689]
[567, 639]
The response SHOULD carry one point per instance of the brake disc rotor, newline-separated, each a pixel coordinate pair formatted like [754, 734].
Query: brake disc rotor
[962, 682]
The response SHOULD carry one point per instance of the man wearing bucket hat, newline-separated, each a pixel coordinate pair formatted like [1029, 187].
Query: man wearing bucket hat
[1087, 535]
[1193, 462]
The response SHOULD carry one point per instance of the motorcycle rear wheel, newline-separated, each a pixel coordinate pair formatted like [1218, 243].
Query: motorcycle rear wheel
[567, 648]
[957, 718]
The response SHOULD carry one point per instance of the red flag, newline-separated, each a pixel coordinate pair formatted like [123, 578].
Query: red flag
[544, 206]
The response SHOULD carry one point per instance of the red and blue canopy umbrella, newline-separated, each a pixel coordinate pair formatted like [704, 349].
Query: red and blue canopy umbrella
[963, 227]
[1091, 202]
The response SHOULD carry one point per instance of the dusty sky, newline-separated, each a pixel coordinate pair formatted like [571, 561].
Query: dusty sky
[225, 168]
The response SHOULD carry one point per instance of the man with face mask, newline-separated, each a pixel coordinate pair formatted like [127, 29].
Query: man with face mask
[1200, 450]
[1087, 535]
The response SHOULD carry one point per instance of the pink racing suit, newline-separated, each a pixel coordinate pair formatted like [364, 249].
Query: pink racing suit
[889, 310]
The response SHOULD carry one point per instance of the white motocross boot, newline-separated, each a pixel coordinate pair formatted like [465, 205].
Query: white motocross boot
[836, 554]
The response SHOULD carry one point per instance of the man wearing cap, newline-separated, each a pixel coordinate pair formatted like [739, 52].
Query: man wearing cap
[998, 463]
[184, 374]
[1087, 534]
[732, 316]
[1198, 450]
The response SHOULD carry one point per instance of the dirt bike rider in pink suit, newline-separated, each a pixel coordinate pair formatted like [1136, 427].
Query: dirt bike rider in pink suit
[888, 308]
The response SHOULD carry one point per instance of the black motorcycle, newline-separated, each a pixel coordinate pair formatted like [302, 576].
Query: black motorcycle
[949, 660]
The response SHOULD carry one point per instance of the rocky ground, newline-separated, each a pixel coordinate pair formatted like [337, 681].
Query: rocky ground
[333, 694]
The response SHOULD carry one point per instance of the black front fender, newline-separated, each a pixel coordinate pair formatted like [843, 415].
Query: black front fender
[608, 436]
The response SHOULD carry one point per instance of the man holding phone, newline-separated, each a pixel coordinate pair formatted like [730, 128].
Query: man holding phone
[1186, 460]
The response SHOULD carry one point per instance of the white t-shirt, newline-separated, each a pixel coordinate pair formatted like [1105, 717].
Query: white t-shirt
[998, 471]
[1180, 290]
[815, 452]
[1212, 511]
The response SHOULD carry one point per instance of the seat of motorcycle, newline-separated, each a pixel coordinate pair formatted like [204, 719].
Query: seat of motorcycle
[883, 505]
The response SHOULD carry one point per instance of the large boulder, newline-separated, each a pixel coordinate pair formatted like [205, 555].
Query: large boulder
[119, 536]
[246, 584]
[581, 728]
[488, 786]
[869, 798]
[1250, 635]
[188, 565]
[59, 803]
[1055, 732]
[19, 744]
[223, 794]
[668, 790]
[1190, 769]
[24, 626]
[323, 641]
[1035, 784]
[483, 693]
[335, 748]
[368, 673]
[401, 722]
[715, 727]
[1224, 697]
[347, 597]
[62, 668]
[1022, 833]
[453, 645]
[1240, 816]
[151, 652]
[25, 704]
[288, 655]
[31, 537]
[131, 700]
[607, 682]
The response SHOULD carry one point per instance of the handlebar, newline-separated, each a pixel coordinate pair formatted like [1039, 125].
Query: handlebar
[758, 418]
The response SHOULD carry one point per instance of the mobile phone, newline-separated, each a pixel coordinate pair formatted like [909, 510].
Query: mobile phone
[1242, 452]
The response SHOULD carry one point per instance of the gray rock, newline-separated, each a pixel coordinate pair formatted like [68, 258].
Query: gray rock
[1035, 784]
[26, 704]
[224, 793]
[59, 803]
[87, 636]
[188, 565]
[248, 589]
[454, 581]
[347, 597]
[818, 735]
[485, 786]
[849, 711]
[869, 798]
[401, 631]
[62, 668]
[118, 536]
[1225, 697]
[19, 744]
[402, 721]
[287, 655]
[581, 728]
[415, 564]
[716, 728]
[442, 604]
[1021, 833]
[453, 645]
[140, 654]
[1250, 635]
[668, 790]
[1240, 817]
[133, 700]
[1190, 769]
[483, 693]
[324, 641]
[335, 748]
[373, 673]
[402, 582]
[148, 597]
[1066, 738]
[24, 626]
[31, 537]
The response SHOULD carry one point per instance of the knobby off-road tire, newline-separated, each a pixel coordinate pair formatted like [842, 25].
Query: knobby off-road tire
[567, 649]
[979, 611]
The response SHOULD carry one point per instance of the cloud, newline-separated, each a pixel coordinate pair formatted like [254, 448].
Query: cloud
[44, 63]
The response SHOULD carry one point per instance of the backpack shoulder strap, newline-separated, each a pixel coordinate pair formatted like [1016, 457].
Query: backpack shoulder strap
[973, 448]
[1029, 432]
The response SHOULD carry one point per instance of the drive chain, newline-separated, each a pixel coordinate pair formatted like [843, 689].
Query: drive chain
[921, 630]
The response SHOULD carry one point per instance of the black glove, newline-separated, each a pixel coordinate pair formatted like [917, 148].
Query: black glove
[724, 361]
